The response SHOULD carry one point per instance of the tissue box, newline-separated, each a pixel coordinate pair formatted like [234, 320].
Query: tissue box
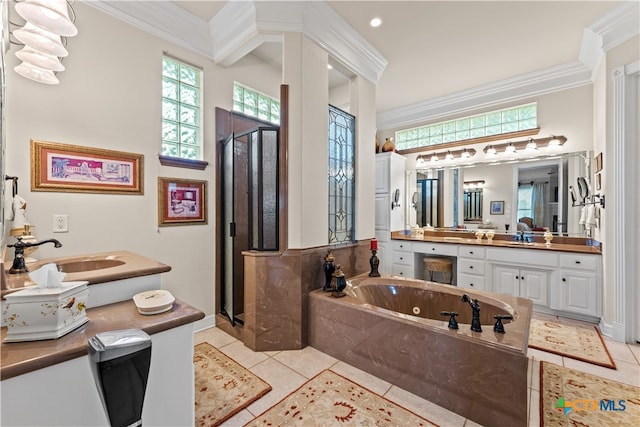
[45, 313]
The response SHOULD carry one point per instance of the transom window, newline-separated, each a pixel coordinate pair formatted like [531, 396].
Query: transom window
[498, 122]
[181, 107]
[255, 104]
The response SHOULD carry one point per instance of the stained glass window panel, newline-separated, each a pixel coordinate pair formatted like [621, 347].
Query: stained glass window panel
[341, 176]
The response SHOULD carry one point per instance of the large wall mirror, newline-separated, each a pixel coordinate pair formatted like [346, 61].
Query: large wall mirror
[531, 194]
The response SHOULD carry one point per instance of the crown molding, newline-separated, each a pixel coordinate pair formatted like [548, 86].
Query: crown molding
[611, 30]
[552, 79]
[240, 27]
[162, 19]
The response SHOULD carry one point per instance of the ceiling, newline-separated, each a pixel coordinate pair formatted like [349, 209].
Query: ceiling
[436, 48]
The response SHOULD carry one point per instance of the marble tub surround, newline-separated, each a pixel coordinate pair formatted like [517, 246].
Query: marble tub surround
[18, 358]
[506, 240]
[481, 376]
[133, 265]
[277, 286]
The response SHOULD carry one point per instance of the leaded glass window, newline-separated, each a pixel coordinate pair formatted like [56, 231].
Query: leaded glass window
[255, 104]
[341, 176]
[523, 117]
[181, 106]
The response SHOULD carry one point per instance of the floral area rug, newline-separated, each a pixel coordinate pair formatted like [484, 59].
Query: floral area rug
[575, 398]
[329, 399]
[578, 343]
[223, 387]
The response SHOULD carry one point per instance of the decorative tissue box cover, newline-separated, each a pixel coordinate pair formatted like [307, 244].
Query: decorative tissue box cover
[45, 313]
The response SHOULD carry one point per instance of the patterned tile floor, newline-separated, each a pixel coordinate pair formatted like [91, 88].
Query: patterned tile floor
[287, 370]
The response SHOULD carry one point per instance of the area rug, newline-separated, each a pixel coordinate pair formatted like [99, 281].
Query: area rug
[223, 387]
[574, 398]
[329, 399]
[580, 343]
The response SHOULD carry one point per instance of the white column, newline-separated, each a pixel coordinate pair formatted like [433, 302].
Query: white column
[304, 69]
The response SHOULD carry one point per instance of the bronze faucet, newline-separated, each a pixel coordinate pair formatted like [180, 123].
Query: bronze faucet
[18, 260]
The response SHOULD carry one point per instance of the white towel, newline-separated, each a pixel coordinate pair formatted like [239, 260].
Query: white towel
[590, 220]
[583, 215]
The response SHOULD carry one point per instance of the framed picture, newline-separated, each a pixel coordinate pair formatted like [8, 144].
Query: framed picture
[181, 202]
[497, 207]
[72, 168]
[598, 163]
[598, 182]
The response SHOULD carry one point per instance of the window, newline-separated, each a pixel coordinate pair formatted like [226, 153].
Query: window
[525, 197]
[341, 176]
[255, 104]
[181, 110]
[494, 123]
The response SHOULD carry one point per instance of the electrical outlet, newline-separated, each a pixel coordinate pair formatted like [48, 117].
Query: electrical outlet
[61, 223]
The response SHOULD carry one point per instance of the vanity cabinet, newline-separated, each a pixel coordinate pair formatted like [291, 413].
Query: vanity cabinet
[522, 282]
[577, 288]
[402, 262]
[471, 267]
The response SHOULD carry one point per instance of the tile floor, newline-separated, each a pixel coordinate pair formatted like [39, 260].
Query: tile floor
[285, 371]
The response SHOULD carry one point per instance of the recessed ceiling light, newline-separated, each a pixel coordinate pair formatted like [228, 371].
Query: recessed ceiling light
[329, 66]
[375, 22]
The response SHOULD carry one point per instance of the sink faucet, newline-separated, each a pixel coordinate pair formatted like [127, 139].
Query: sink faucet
[18, 260]
[475, 318]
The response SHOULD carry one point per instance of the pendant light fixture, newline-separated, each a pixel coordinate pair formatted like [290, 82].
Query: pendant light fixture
[51, 15]
[40, 40]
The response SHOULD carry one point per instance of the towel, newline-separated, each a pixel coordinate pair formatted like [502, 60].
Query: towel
[583, 215]
[590, 220]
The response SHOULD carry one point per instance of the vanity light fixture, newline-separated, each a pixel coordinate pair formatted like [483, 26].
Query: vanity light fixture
[513, 147]
[465, 154]
[474, 184]
[420, 161]
[434, 158]
[449, 156]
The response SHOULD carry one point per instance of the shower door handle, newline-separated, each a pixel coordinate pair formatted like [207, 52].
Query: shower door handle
[232, 229]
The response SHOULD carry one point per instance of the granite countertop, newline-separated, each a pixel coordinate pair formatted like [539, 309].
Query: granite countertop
[17, 358]
[502, 241]
[134, 266]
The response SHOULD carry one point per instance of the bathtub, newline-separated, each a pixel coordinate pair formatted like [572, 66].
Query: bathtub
[392, 328]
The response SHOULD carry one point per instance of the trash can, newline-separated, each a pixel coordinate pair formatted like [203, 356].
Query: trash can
[120, 362]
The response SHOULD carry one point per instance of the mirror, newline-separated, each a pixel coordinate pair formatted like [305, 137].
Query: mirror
[583, 188]
[502, 181]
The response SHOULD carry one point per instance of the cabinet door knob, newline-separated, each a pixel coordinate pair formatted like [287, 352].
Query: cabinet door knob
[564, 280]
[401, 258]
[433, 249]
[471, 267]
[471, 252]
[470, 284]
[577, 262]
[517, 278]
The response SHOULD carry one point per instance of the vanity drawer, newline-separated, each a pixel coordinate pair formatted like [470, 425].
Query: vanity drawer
[402, 245]
[470, 266]
[403, 258]
[402, 270]
[579, 262]
[471, 252]
[428, 248]
[470, 281]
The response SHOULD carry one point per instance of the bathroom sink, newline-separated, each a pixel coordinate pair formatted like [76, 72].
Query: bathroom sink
[88, 265]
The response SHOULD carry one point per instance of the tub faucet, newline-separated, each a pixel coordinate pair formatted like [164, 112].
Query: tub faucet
[18, 259]
[475, 318]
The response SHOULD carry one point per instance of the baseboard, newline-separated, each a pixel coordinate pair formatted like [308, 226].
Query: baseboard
[616, 332]
[205, 323]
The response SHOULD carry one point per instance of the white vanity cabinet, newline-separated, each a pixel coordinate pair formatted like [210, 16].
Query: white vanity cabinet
[471, 267]
[578, 288]
[522, 282]
[402, 259]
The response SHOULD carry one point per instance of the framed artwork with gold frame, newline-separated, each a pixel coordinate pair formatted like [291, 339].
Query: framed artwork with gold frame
[181, 201]
[73, 168]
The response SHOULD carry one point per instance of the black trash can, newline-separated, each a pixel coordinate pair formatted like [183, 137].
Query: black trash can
[120, 364]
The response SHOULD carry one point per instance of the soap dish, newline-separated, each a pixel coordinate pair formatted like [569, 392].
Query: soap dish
[153, 302]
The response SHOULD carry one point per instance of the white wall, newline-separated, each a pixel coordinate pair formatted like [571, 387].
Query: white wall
[109, 97]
